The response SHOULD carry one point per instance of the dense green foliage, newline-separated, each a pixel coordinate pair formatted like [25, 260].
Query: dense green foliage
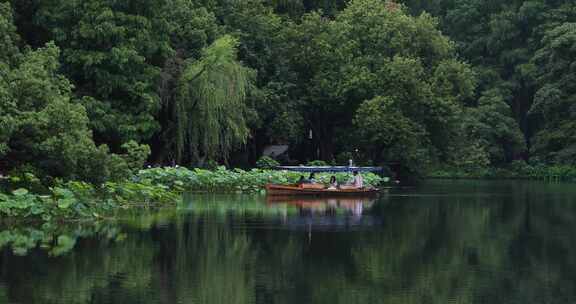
[44, 130]
[521, 52]
[78, 200]
[266, 162]
[210, 109]
[222, 180]
[467, 84]
[516, 170]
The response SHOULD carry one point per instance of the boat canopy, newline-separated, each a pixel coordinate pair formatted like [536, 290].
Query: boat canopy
[329, 169]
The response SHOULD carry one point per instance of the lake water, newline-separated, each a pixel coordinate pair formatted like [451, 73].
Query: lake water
[441, 242]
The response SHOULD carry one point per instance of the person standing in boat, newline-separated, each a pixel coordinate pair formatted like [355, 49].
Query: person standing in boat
[358, 180]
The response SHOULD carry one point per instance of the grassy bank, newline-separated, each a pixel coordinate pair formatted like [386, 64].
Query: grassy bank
[149, 188]
[515, 171]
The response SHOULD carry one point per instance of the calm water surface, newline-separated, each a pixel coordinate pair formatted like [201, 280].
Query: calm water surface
[441, 242]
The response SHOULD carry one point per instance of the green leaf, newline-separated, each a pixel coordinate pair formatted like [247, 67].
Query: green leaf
[66, 203]
[64, 245]
[20, 192]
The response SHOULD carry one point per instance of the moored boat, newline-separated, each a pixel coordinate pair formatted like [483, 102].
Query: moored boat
[315, 189]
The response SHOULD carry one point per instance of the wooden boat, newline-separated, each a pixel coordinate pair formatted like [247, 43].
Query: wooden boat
[316, 189]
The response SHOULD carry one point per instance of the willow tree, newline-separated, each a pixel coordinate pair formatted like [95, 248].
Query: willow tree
[210, 105]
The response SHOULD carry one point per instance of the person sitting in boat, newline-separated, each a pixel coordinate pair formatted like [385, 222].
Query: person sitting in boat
[302, 180]
[333, 185]
[312, 178]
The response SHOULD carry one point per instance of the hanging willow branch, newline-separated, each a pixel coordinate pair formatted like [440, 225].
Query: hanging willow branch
[210, 105]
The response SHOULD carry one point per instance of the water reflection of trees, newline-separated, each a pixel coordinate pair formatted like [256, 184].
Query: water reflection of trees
[511, 246]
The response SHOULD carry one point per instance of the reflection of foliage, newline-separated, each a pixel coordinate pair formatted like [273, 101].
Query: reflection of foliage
[509, 246]
[465, 249]
[3, 294]
[57, 240]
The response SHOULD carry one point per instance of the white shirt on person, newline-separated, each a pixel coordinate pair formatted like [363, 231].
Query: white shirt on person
[358, 181]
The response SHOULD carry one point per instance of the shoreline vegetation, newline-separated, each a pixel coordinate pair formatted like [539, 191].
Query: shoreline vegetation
[517, 170]
[26, 198]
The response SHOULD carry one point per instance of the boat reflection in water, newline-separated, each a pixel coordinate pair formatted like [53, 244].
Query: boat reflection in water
[328, 213]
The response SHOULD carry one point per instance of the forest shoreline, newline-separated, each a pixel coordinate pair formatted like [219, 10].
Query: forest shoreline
[517, 171]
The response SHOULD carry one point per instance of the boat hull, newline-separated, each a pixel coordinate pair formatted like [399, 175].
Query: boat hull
[298, 190]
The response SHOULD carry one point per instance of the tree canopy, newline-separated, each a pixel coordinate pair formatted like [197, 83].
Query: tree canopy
[424, 83]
